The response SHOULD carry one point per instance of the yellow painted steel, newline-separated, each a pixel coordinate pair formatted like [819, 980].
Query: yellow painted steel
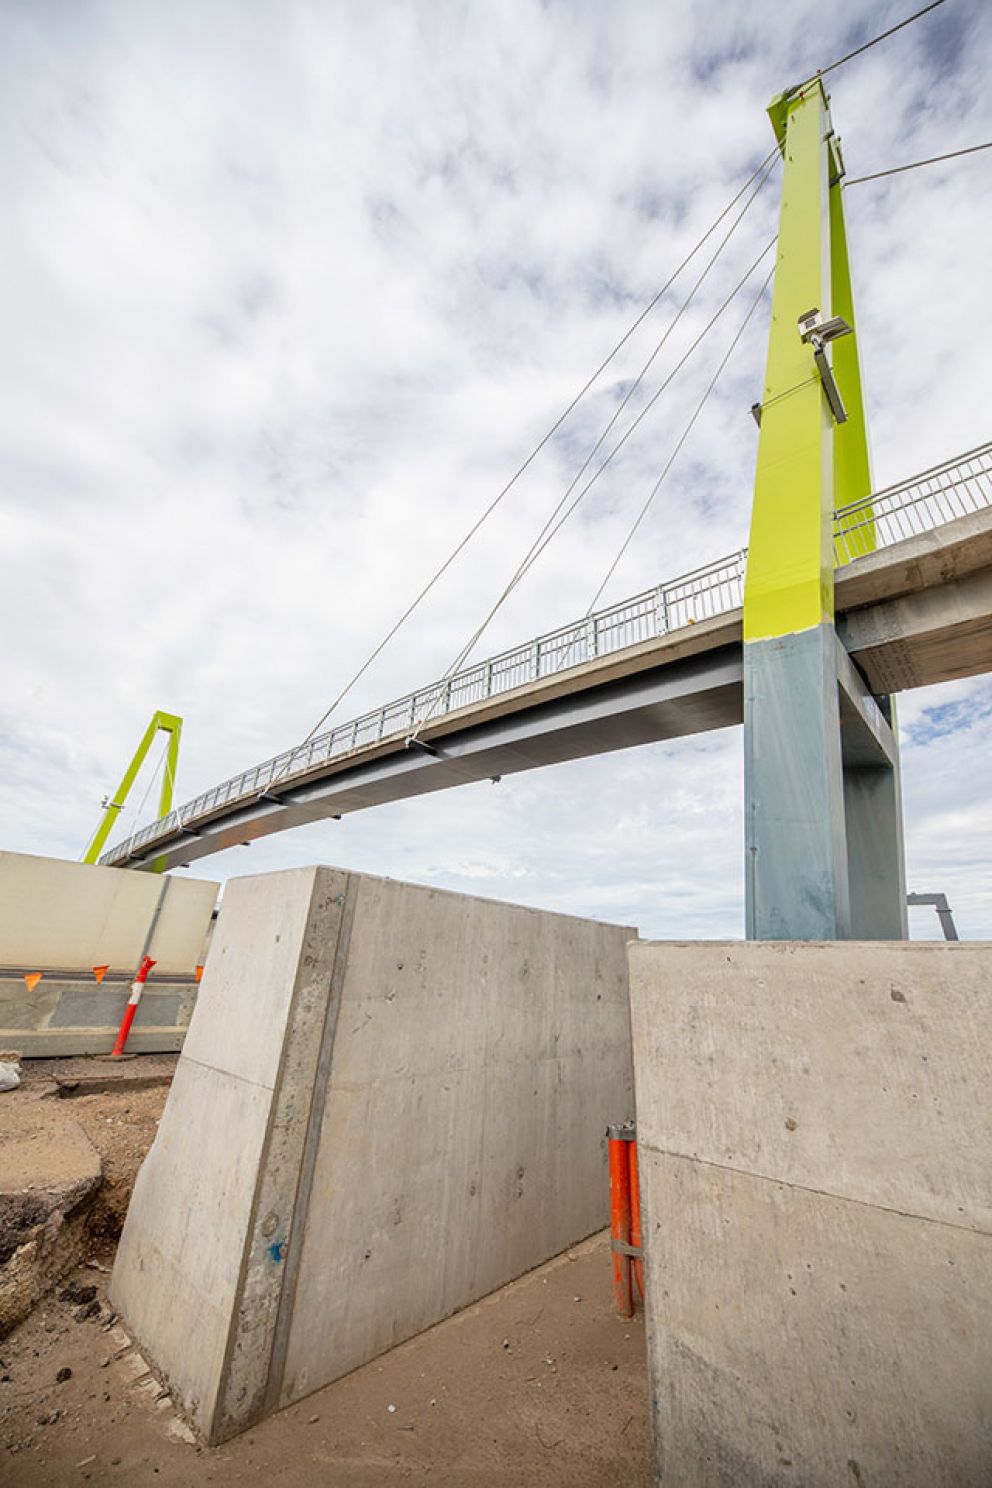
[806, 465]
[170, 724]
[852, 467]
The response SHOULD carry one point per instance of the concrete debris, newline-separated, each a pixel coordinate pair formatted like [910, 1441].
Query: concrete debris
[9, 1076]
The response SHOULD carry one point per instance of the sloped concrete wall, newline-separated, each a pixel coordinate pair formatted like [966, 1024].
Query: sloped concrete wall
[815, 1141]
[61, 916]
[391, 1101]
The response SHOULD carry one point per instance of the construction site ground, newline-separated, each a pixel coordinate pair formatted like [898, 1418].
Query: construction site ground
[540, 1383]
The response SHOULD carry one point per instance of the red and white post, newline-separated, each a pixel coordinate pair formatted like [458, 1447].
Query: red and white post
[137, 987]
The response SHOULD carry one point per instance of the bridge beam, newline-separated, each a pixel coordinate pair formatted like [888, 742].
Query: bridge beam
[823, 830]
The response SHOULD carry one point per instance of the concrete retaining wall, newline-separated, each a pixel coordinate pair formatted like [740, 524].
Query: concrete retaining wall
[391, 1101]
[73, 1014]
[815, 1139]
[61, 916]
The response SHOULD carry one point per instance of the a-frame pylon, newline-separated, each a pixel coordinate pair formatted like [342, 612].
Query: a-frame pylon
[823, 819]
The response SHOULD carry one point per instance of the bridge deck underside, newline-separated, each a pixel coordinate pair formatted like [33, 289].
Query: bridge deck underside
[909, 615]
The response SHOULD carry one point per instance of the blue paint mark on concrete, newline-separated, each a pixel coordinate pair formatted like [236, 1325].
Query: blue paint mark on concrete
[277, 1250]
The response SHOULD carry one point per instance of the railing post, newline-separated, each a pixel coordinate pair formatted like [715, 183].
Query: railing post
[591, 638]
[660, 611]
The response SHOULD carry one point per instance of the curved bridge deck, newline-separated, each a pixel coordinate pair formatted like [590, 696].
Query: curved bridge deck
[913, 602]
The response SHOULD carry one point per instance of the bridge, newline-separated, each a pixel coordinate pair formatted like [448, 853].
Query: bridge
[913, 595]
[845, 595]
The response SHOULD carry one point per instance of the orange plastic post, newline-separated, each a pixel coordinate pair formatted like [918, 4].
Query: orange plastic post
[620, 1223]
[635, 1217]
[137, 987]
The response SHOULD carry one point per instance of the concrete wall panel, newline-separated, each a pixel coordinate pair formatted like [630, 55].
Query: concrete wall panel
[859, 1067]
[56, 915]
[813, 1129]
[73, 1014]
[436, 1074]
[178, 1269]
[800, 1338]
[479, 1050]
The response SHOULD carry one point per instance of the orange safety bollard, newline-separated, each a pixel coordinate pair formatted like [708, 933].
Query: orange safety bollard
[620, 1217]
[635, 1219]
[137, 987]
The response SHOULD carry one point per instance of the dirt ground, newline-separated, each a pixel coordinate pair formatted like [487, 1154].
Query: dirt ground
[538, 1384]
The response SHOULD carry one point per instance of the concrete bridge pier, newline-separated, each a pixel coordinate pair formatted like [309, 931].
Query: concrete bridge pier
[823, 817]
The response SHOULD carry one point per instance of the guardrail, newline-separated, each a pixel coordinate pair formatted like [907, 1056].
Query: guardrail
[953, 489]
[711, 590]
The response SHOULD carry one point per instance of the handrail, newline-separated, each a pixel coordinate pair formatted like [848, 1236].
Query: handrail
[952, 489]
[710, 590]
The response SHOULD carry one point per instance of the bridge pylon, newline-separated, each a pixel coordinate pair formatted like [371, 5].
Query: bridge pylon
[823, 814]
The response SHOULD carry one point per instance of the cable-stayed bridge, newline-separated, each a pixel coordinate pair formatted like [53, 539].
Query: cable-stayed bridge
[845, 595]
[913, 592]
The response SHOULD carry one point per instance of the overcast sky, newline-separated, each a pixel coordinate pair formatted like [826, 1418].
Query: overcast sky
[289, 290]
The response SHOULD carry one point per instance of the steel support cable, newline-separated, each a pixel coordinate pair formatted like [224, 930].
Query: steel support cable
[897, 170]
[682, 439]
[536, 546]
[536, 451]
[136, 813]
[865, 47]
[610, 457]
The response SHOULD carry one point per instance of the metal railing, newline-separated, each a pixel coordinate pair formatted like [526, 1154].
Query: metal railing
[954, 489]
[708, 591]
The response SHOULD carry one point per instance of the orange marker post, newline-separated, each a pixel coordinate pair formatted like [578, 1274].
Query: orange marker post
[635, 1219]
[623, 1295]
[137, 987]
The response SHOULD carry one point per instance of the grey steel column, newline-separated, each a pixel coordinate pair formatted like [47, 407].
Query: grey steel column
[796, 860]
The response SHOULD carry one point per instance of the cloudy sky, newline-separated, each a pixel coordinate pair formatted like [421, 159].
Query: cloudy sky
[289, 290]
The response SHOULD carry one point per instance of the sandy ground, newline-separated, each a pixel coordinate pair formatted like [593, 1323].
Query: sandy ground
[538, 1384]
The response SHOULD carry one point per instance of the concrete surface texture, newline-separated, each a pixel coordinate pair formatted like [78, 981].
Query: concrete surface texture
[61, 916]
[814, 1134]
[66, 1013]
[391, 1101]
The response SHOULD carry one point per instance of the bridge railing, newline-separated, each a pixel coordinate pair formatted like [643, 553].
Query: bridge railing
[954, 489]
[705, 592]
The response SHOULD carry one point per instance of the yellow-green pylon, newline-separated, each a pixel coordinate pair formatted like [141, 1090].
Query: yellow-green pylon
[822, 818]
[807, 463]
[170, 724]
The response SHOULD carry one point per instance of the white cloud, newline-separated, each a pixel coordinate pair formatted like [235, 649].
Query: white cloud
[289, 290]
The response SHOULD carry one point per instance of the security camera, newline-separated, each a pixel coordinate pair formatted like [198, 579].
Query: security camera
[813, 328]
